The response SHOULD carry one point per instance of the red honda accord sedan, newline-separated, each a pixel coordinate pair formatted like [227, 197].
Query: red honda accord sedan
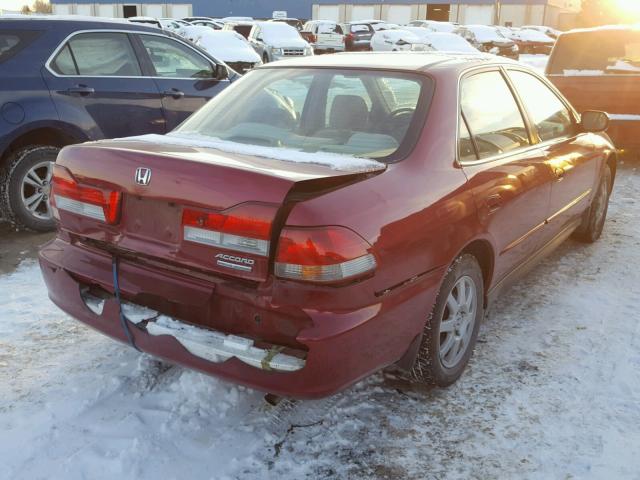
[326, 217]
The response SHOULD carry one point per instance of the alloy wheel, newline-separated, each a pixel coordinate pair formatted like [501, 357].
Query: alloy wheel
[458, 320]
[601, 202]
[36, 190]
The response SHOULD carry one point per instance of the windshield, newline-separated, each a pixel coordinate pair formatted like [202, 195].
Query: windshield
[487, 34]
[449, 42]
[361, 113]
[599, 52]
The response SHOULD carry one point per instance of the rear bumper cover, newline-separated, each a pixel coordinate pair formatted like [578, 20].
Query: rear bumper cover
[343, 347]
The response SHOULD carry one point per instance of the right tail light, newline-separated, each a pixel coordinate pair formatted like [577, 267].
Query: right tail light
[322, 255]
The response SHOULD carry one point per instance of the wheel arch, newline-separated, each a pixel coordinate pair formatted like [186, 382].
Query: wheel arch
[45, 134]
[483, 251]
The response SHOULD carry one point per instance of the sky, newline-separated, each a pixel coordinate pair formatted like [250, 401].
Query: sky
[14, 4]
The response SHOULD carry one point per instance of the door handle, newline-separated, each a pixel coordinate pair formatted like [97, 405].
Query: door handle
[174, 92]
[559, 173]
[494, 202]
[81, 90]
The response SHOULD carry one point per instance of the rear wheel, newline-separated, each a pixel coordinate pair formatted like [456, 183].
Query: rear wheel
[25, 188]
[265, 58]
[593, 220]
[450, 334]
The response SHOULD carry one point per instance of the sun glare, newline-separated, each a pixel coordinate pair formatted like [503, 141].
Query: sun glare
[628, 7]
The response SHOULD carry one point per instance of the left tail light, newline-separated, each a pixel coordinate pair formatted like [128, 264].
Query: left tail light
[87, 201]
[246, 228]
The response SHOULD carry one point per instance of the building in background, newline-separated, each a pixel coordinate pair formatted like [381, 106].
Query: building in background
[503, 12]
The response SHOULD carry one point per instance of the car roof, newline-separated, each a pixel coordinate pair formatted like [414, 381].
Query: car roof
[606, 28]
[409, 61]
[78, 21]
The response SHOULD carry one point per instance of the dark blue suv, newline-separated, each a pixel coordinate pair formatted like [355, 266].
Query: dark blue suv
[65, 81]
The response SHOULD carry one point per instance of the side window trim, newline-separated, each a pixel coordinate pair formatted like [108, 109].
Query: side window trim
[525, 118]
[146, 65]
[471, 136]
[73, 57]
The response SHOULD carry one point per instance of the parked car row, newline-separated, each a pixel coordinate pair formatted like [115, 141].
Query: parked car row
[272, 40]
[384, 36]
[325, 36]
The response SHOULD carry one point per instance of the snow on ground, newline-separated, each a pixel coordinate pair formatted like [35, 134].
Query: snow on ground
[537, 61]
[553, 391]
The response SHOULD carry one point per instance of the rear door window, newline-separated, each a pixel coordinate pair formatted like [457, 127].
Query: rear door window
[100, 54]
[12, 41]
[64, 64]
[492, 114]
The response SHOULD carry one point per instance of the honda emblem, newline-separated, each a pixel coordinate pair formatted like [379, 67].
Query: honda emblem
[143, 176]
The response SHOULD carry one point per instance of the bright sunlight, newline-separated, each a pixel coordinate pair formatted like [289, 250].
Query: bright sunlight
[628, 8]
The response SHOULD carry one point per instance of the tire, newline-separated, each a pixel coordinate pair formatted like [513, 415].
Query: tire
[19, 183]
[265, 58]
[594, 217]
[433, 365]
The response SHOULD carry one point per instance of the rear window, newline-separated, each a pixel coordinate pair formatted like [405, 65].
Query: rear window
[12, 41]
[361, 29]
[603, 52]
[243, 30]
[361, 113]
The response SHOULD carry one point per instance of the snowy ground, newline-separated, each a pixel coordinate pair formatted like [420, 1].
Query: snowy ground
[539, 61]
[553, 391]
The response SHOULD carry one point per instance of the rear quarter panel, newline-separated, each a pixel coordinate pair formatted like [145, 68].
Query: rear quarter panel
[25, 103]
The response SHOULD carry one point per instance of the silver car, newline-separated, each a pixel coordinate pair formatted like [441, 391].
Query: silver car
[277, 40]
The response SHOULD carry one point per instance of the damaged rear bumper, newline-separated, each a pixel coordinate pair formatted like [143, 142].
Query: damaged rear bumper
[332, 352]
[205, 343]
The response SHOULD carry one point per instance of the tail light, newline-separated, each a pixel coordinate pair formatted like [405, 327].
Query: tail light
[246, 228]
[348, 37]
[313, 38]
[323, 255]
[93, 202]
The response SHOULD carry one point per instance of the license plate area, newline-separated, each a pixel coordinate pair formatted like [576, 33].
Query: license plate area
[156, 220]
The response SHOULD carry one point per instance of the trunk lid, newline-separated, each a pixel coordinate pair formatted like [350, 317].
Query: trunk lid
[196, 179]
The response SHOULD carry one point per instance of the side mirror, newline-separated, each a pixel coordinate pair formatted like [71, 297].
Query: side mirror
[594, 121]
[221, 72]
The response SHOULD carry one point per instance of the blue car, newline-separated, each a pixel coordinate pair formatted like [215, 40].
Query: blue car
[65, 81]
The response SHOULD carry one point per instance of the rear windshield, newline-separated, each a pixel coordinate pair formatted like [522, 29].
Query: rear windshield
[360, 28]
[362, 113]
[243, 30]
[603, 52]
[12, 41]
